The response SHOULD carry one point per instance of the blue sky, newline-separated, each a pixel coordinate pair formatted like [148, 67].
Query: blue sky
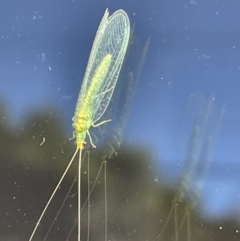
[193, 58]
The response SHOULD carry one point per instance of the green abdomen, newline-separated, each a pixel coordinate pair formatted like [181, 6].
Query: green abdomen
[82, 119]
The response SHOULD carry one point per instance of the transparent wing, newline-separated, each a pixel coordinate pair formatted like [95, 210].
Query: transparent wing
[114, 41]
[112, 38]
[92, 58]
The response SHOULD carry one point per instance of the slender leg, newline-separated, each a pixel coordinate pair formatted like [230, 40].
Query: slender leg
[102, 122]
[79, 196]
[90, 138]
[175, 221]
[53, 193]
[88, 198]
[105, 188]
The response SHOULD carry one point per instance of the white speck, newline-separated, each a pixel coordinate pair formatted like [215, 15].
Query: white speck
[67, 96]
[34, 17]
[42, 141]
[194, 3]
[43, 57]
[49, 68]
[220, 228]
[206, 56]
[156, 179]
